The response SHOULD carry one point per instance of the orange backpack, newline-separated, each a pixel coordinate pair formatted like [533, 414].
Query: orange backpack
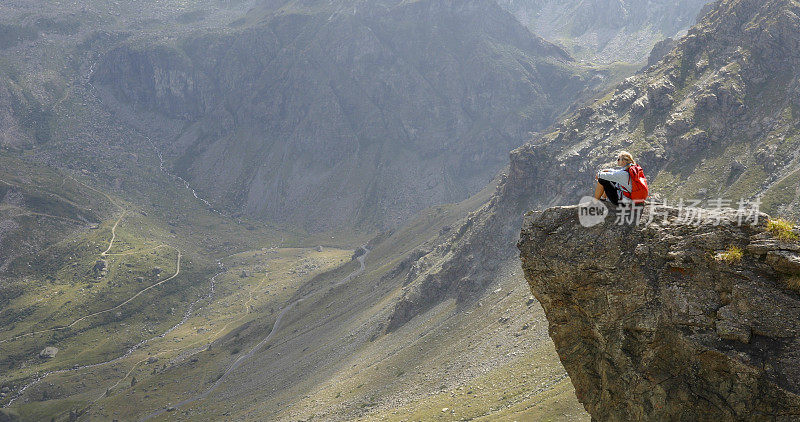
[639, 190]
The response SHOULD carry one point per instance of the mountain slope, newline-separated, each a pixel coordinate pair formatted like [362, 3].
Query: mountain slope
[606, 30]
[134, 297]
[40, 206]
[439, 318]
[716, 118]
[346, 117]
[329, 359]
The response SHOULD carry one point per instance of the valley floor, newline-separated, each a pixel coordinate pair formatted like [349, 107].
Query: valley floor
[164, 332]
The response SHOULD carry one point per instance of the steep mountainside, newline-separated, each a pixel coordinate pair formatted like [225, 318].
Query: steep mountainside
[324, 115]
[716, 118]
[671, 320]
[123, 293]
[606, 30]
[21, 124]
[161, 306]
[172, 311]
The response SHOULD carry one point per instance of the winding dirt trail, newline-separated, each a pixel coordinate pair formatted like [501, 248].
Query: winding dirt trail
[139, 293]
[106, 253]
[130, 350]
[113, 234]
[188, 347]
[41, 214]
[190, 310]
[257, 347]
[138, 251]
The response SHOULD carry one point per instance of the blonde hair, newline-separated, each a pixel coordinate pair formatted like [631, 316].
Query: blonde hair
[626, 157]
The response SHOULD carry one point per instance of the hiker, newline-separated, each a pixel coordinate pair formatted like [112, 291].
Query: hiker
[625, 184]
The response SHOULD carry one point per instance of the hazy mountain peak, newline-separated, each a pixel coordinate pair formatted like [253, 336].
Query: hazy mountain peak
[606, 30]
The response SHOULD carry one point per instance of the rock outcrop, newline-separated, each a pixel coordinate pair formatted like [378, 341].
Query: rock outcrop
[670, 320]
[661, 49]
[48, 352]
[720, 128]
[100, 268]
[712, 119]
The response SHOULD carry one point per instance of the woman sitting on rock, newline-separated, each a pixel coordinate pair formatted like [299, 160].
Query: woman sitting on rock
[623, 184]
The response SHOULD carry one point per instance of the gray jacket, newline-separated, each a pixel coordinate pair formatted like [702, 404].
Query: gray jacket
[617, 175]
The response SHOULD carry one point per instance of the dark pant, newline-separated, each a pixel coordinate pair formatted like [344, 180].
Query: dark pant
[611, 190]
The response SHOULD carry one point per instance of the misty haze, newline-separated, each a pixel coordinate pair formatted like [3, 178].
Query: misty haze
[418, 210]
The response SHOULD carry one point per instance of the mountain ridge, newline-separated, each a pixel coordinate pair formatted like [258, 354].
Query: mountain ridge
[441, 318]
[417, 92]
[607, 30]
[652, 115]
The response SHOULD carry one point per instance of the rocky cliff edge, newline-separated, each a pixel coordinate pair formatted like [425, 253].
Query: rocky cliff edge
[671, 320]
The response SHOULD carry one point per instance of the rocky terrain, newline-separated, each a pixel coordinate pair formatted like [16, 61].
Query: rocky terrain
[40, 206]
[331, 115]
[157, 289]
[671, 320]
[607, 30]
[425, 97]
[715, 119]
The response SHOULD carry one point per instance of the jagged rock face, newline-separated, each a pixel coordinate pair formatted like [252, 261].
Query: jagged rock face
[653, 324]
[458, 264]
[606, 30]
[661, 49]
[743, 143]
[24, 122]
[326, 118]
[716, 118]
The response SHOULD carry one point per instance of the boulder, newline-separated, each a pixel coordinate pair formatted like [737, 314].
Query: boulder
[100, 267]
[640, 105]
[784, 261]
[48, 352]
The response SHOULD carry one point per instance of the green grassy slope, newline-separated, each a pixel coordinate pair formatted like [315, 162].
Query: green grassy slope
[331, 359]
